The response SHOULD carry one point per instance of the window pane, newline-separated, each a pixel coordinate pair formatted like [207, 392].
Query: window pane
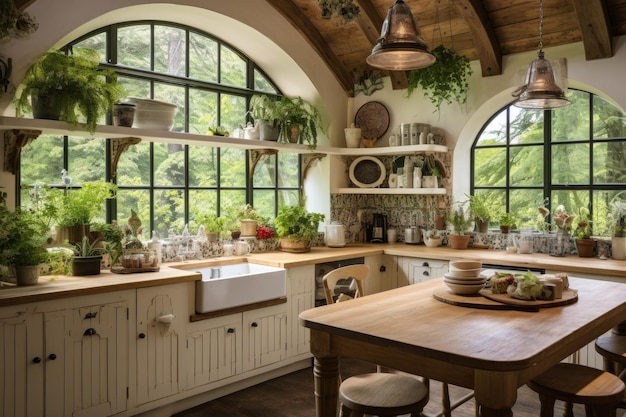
[175, 95]
[135, 87]
[98, 43]
[526, 126]
[233, 110]
[524, 203]
[570, 199]
[133, 167]
[203, 166]
[232, 68]
[608, 120]
[495, 132]
[232, 198]
[262, 84]
[86, 159]
[490, 167]
[202, 58]
[572, 122]
[169, 164]
[264, 202]
[202, 111]
[264, 172]
[288, 197]
[570, 164]
[601, 206]
[526, 165]
[139, 201]
[288, 171]
[233, 168]
[202, 203]
[133, 46]
[608, 163]
[42, 161]
[169, 50]
[169, 211]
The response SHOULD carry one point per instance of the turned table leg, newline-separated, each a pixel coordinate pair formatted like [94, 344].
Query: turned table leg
[326, 375]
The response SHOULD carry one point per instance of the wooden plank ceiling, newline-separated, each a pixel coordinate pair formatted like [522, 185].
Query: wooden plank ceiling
[482, 30]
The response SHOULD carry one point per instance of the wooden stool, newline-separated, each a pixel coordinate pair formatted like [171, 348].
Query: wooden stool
[382, 394]
[600, 392]
[613, 351]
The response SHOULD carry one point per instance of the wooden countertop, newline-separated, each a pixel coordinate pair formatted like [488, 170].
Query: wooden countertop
[53, 287]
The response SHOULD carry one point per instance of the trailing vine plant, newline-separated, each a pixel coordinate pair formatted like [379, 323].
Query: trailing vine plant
[446, 80]
[346, 9]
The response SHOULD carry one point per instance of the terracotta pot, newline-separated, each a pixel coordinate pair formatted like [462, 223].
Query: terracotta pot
[505, 229]
[585, 247]
[294, 245]
[459, 241]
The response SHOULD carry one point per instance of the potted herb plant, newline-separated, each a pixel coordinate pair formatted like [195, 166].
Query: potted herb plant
[584, 243]
[212, 223]
[479, 209]
[445, 80]
[265, 112]
[22, 244]
[617, 221]
[78, 208]
[299, 120]
[461, 222]
[507, 222]
[69, 87]
[296, 228]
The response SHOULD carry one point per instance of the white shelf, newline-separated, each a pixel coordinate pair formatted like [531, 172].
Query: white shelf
[54, 127]
[398, 191]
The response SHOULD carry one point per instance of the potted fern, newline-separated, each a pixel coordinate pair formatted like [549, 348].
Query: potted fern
[265, 112]
[68, 87]
[299, 121]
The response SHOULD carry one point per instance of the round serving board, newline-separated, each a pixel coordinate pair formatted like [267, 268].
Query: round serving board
[486, 300]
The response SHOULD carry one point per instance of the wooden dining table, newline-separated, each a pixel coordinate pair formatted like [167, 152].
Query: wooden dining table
[492, 351]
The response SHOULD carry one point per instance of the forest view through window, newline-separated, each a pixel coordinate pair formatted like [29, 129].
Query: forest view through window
[170, 185]
[572, 156]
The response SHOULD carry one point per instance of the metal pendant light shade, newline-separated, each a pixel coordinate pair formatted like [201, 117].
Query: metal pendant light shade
[400, 47]
[541, 90]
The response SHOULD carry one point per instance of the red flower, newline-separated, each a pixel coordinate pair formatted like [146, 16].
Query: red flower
[265, 232]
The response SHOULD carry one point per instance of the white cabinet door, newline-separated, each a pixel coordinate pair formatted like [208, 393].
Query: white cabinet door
[161, 317]
[414, 270]
[21, 363]
[264, 336]
[382, 275]
[213, 350]
[301, 293]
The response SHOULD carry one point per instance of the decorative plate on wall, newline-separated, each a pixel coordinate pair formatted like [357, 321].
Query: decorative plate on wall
[367, 172]
[373, 119]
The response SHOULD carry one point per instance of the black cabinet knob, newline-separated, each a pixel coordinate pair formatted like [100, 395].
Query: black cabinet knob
[36, 359]
[230, 330]
[254, 324]
[90, 332]
[52, 356]
[142, 335]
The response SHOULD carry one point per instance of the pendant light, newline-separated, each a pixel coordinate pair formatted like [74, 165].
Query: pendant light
[400, 47]
[540, 90]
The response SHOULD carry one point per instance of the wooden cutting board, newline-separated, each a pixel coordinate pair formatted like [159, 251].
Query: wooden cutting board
[486, 300]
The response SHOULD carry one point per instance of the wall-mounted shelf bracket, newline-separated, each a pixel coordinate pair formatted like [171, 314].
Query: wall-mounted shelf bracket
[118, 147]
[309, 161]
[14, 141]
[255, 155]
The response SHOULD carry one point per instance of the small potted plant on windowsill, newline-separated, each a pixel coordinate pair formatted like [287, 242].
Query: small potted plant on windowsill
[584, 243]
[479, 209]
[296, 228]
[507, 222]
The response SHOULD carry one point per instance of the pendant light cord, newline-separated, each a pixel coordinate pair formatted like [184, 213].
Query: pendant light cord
[540, 26]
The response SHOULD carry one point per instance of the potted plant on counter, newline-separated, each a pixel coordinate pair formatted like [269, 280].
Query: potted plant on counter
[479, 209]
[507, 222]
[461, 222]
[584, 243]
[87, 257]
[617, 221]
[296, 228]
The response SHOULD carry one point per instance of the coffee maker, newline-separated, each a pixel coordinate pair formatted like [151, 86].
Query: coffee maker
[378, 229]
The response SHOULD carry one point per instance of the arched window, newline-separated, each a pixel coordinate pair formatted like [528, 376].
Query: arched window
[170, 184]
[572, 156]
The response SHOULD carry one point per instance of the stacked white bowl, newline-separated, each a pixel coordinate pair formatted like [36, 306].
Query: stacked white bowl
[464, 277]
[153, 114]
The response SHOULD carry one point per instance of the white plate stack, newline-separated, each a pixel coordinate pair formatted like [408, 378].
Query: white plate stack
[464, 277]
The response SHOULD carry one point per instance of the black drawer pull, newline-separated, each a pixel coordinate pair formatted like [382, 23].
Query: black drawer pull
[52, 356]
[230, 330]
[254, 324]
[91, 315]
[142, 335]
[90, 332]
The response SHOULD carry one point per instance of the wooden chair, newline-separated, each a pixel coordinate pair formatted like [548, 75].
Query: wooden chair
[377, 393]
[612, 348]
[599, 391]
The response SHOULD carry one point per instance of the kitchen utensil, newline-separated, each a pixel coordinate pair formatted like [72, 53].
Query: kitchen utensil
[412, 235]
[335, 235]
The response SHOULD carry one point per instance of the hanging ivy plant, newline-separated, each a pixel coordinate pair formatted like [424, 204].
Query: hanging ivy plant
[8, 17]
[446, 80]
[346, 9]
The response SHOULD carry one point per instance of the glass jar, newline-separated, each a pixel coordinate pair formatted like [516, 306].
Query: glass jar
[526, 240]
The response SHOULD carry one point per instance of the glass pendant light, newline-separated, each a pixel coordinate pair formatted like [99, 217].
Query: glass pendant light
[540, 90]
[400, 47]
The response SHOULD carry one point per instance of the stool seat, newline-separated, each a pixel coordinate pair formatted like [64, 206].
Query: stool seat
[613, 349]
[383, 394]
[600, 392]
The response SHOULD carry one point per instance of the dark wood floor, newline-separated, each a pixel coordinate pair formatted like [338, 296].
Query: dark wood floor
[292, 396]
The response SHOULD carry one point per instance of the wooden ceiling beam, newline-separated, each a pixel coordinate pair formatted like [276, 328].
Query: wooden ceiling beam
[595, 28]
[302, 24]
[483, 34]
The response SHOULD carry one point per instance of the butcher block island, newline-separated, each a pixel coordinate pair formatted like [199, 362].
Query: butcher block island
[139, 346]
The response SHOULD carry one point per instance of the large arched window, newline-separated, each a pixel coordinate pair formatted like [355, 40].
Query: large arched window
[170, 183]
[572, 156]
